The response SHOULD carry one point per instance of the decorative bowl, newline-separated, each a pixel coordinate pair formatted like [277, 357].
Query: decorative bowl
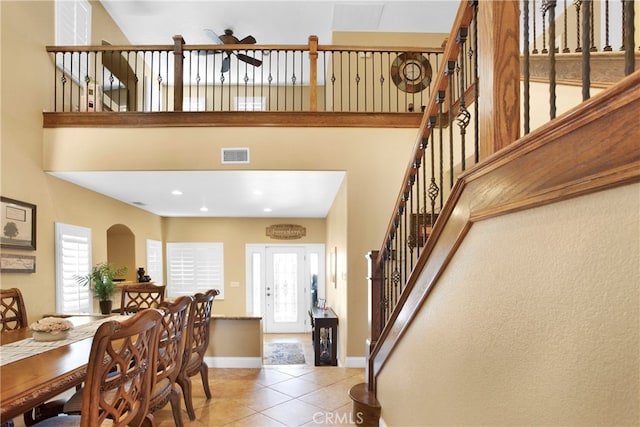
[50, 336]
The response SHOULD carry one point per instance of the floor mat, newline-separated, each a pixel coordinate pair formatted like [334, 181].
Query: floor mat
[283, 353]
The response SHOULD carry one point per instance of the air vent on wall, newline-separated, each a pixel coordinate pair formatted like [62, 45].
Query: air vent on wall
[235, 155]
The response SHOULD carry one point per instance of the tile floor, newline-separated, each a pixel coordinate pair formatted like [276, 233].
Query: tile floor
[284, 395]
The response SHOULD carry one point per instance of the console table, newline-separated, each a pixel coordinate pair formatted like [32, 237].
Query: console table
[325, 336]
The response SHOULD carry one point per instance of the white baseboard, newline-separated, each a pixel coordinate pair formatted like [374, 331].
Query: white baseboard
[234, 362]
[355, 362]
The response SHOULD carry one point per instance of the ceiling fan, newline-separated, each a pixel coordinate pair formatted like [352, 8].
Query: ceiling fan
[229, 38]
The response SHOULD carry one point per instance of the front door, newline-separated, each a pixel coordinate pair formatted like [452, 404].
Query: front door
[285, 293]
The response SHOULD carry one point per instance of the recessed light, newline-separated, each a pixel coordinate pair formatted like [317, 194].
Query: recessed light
[257, 192]
[176, 193]
[267, 209]
[204, 209]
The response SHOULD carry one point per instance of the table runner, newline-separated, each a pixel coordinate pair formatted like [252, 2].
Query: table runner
[28, 347]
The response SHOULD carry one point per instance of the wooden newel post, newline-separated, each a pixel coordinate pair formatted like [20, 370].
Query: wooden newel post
[313, 73]
[375, 305]
[178, 68]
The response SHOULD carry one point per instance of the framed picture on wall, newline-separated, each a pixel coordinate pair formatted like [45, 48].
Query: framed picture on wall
[13, 263]
[18, 220]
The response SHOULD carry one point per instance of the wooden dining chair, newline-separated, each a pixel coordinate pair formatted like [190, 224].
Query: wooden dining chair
[196, 346]
[171, 345]
[140, 296]
[13, 313]
[120, 372]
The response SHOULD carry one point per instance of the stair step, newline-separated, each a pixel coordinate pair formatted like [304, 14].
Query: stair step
[366, 408]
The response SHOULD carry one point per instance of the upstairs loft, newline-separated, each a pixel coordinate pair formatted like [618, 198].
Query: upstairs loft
[295, 85]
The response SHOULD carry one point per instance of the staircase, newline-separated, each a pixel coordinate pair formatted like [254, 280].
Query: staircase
[590, 150]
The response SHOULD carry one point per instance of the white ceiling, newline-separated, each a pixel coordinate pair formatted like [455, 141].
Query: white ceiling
[269, 194]
[275, 22]
[289, 194]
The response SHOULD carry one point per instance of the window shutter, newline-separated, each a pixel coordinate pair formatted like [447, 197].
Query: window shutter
[73, 258]
[154, 261]
[73, 23]
[73, 28]
[195, 267]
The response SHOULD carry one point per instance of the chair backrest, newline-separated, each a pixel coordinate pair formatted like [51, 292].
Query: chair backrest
[140, 296]
[198, 324]
[13, 313]
[173, 338]
[120, 371]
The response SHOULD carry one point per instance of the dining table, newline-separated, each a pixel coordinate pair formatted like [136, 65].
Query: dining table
[33, 372]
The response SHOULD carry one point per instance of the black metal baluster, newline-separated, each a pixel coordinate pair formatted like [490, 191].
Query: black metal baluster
[449, 72]
[440, 101]
[293, 81]
[86, 81]
[550, 7]
[55, 83]
[424, 143]
[408, 250]
[628, 22]
[341, 81]
[535, 30]
[433, 187]
[357, 83]
[565, 37]
[166, 93]
[417, 164]
[526, 71]
[464, 117]
[607, 47]
[578, 4]
[397, 274]
[586, 54]
[593, 47]
[544, 6]
[366, 75]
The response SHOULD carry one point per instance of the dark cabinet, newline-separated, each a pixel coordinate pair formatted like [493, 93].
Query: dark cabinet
[325, 336]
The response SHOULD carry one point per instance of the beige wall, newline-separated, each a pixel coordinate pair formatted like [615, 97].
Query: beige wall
[336, 292]
[236, 233]
[547, 336]
[235, 337]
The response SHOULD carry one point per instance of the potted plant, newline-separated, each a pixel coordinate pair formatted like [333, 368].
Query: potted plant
[102, 284]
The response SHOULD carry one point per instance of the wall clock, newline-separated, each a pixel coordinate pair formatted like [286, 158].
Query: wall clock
[411, 72]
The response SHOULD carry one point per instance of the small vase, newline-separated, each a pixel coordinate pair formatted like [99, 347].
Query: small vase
[49, 336]
[105, 306]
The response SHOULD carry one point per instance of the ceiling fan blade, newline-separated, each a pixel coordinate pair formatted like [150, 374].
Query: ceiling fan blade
[226, 64]
[248, 40]
[213, 36]
[249, 60]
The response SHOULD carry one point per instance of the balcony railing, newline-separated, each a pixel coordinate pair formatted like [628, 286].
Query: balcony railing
[237, 77]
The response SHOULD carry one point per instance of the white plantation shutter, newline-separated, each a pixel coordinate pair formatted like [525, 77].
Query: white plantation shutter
[73, 22]
[73, 28]
[73, 258]
[154, 261]
[195, 267]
